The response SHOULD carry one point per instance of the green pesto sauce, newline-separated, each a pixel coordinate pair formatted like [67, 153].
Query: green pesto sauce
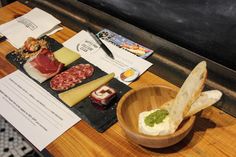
[155, 117]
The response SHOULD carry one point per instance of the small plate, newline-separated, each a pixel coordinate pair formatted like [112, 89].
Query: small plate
[129, 75]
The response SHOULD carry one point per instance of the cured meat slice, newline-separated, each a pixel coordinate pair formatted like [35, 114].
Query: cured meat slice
[88, 70]
[43, 66]
[71, 77]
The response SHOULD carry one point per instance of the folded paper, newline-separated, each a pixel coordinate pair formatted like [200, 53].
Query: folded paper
[33, 24]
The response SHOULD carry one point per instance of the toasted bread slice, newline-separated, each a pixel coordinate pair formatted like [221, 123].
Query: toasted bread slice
[205, 100]
[188, 93]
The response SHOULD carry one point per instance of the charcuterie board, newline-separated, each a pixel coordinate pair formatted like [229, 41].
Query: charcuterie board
[98, 117]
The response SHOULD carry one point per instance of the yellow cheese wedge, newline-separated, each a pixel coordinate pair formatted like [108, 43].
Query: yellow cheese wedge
[66, 56]
[75, 95]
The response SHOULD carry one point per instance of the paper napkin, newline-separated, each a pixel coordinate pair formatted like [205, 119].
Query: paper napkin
[33, 24]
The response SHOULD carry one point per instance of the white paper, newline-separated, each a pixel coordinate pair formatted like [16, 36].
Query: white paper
[34, 112]
[87, 47]
[33, 24]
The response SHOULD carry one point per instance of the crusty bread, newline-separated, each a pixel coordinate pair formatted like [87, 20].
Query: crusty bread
[205, 100]
[188, 93]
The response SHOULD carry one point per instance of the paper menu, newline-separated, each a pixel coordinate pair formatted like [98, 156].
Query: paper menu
[34, 112]
[35, 23]
[87, 47]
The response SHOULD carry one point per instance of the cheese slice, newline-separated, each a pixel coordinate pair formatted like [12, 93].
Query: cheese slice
[75, 95]
[66, 56]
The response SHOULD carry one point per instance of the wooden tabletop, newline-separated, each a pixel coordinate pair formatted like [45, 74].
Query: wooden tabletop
[213, 135]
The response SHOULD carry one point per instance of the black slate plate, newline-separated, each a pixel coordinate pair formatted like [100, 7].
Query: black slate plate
[100, 119]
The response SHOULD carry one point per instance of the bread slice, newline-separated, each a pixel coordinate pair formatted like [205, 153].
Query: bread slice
[167, 105]
[188, 93]
[205, 100]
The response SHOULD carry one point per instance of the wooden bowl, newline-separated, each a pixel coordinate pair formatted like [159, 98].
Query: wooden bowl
[145, 99]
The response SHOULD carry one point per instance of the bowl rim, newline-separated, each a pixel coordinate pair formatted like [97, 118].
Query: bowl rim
[184, 128]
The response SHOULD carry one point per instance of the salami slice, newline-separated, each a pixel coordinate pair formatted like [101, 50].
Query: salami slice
[88, 70]
[71, 77]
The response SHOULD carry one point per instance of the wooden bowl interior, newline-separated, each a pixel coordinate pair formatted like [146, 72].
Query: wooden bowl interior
[145, 99]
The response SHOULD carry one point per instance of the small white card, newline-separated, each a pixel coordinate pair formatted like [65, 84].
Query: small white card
[34, 112]
[87, 47]
[33, 24]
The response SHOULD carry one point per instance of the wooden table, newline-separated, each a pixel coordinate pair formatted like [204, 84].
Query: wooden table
[214, 133]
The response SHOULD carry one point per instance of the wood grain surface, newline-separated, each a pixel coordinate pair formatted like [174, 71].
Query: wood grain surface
[213, 134]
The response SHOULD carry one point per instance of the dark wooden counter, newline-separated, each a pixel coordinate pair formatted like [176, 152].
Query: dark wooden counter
[214, 133]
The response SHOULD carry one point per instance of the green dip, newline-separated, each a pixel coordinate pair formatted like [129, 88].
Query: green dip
[155, 117]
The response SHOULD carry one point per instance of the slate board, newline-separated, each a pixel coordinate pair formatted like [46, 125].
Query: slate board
[98, 118]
